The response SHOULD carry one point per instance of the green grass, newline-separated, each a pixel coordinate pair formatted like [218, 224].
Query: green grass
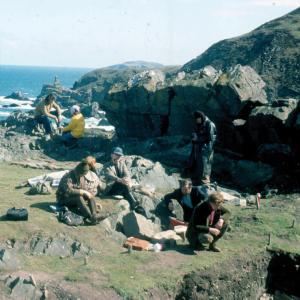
[131, 275]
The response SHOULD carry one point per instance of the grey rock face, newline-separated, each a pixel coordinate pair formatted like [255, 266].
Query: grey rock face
[22, 288]
[138, 226]
[240, 86]
[9, 260]
[61, 246]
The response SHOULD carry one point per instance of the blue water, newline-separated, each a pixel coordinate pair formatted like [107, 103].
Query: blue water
[29, 80]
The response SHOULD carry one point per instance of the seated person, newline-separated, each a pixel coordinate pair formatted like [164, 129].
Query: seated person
[187, 196]
[75, 129]
[77, 190]
[208, 223]
[117, 177]
[43, 113]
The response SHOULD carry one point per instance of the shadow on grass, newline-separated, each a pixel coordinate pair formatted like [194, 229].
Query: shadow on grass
[44, 206]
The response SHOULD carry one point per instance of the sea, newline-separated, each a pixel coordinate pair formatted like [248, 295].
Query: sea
[29, 80]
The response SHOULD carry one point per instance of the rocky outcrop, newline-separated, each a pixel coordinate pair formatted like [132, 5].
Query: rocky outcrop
[17, 96]
[272, 50]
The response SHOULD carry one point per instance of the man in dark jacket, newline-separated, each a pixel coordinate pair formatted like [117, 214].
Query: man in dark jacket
[201, 156]
[208, 223]
[187, 196]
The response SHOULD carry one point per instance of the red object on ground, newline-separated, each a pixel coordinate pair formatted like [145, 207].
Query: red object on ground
[175, 222]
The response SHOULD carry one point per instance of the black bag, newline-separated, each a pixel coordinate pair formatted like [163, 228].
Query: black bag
[69, 217]
[17, 214]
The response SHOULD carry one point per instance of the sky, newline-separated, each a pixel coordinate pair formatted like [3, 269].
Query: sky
[98, 33]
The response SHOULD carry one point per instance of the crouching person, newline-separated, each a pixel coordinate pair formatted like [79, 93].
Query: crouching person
[208, 223]
[118, 179]
[75, 130]
[187, 196]
[77, 190]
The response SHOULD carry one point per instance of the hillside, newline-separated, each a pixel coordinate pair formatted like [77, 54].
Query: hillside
[272, 50]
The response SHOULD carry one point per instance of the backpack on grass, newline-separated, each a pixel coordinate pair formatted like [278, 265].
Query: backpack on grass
[17, 214]
[69, 218]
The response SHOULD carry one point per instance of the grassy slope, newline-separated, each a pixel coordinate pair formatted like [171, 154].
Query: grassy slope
[131, 275]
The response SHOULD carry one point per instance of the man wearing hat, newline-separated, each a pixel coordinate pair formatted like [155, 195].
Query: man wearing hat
[117, 177]
[75, 129]
[77, 190]
[201, 157]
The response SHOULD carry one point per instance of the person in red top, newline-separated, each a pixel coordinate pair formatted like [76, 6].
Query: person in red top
[208, 223]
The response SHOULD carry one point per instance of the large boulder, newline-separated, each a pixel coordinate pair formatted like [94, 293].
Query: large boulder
[9, 260]
[138, 226]
[271, 124]
[239, 87]
[17, 96]
[148, 174]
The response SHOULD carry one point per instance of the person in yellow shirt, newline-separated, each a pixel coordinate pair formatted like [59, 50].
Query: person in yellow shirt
[75, 129]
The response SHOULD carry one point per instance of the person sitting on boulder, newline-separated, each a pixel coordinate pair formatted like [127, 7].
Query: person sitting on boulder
[201, 156]
[117, 177]
[43, 114]
[187, 196]
[75, 129]
[77, 190]
[208, 223]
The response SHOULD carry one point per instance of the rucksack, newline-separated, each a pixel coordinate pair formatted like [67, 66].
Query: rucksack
[17, 214]
[41, 188]
[69, 217]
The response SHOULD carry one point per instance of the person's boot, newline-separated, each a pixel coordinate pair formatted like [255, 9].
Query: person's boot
[214, 248]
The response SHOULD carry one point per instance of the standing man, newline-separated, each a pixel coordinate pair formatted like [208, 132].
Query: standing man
[187, 196]
[43, 114]
[201, 157]
[77, 189]
[208, 223]
[75, 129]
[117, 177]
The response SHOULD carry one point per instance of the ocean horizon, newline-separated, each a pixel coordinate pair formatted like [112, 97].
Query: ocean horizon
[30, 79]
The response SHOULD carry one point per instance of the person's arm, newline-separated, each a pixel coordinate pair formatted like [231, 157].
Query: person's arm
[69, 127]
[211, 132]
[111, 175]
[225, 214]
[47, 113]
[170, 196]
[126, 173]
[57, 108]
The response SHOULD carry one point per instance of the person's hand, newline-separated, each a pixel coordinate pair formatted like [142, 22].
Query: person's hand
[126, 181]
[220, 224]
[55, 119]
[194, 136]
[87, 194]
[171, 206]
[214, 231]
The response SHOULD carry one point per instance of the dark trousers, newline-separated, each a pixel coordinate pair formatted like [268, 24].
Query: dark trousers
[46, 122]
[202, 168]
[121, 189]
[85, 207]
[68, 139]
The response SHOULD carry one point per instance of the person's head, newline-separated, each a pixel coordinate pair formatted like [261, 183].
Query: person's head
[91, 162]
[186, 186]
[83, 167]
[116, 154]
[215, 199]
[199, 117]
[75, 109]
[49, 99]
